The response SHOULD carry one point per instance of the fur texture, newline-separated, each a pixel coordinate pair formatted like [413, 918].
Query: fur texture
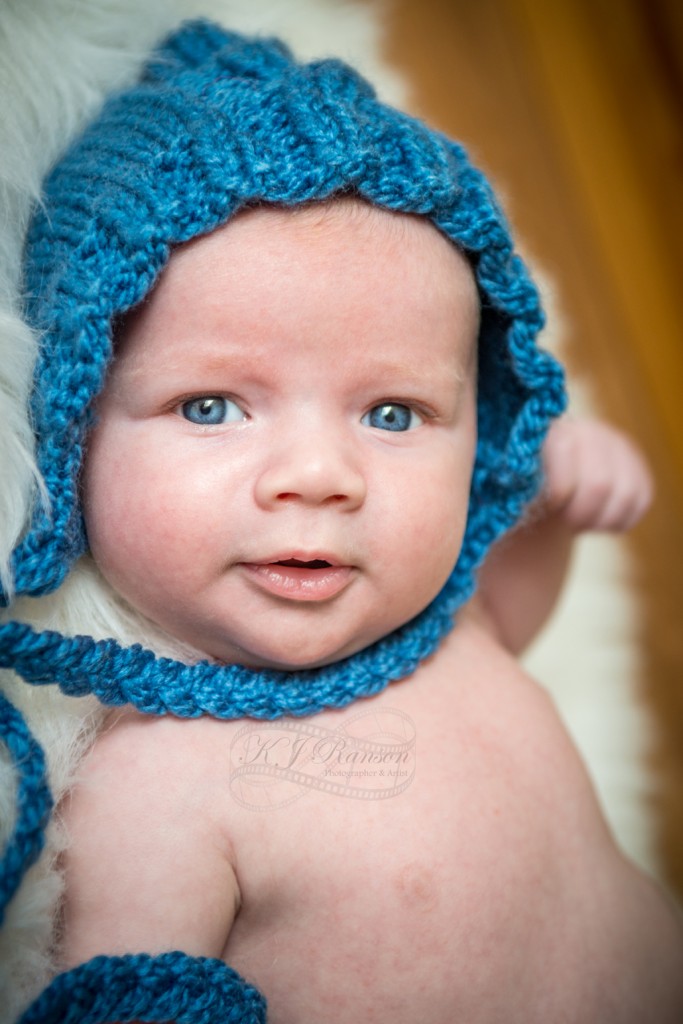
[58, 58]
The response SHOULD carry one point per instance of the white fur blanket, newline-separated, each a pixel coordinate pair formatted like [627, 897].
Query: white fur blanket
[58, 59]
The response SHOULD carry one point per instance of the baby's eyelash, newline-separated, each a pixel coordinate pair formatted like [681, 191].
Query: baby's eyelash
[425, 411]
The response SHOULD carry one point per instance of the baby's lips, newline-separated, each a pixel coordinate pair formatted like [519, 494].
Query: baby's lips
[300, 579]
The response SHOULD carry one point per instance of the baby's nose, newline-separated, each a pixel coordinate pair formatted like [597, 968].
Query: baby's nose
[314, 471]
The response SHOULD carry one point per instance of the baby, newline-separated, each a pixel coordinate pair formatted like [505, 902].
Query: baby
[313, 427]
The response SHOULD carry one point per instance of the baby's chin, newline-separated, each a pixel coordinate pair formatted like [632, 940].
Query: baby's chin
[265, 658]
[314, 647]
[299, 659]
[263, 663]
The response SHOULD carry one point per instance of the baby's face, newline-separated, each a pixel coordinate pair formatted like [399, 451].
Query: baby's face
[281, 468]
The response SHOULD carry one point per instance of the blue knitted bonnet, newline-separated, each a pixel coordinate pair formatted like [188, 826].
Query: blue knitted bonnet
[217, 122]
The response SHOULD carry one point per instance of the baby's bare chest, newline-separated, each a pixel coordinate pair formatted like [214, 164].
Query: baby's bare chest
[383, 855]
[432, 854]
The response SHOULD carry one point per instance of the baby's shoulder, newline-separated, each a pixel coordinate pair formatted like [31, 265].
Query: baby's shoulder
[473, 672]
[160, 756]
[498, 715]
[157, 773]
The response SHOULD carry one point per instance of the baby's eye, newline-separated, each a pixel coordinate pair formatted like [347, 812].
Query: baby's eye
[392, 416]
[211, 410]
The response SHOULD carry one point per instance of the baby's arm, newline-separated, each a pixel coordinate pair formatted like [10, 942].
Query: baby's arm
[595, 479]
[147, 869]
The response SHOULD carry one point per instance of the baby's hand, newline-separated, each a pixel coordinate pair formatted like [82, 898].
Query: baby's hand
[595, 477]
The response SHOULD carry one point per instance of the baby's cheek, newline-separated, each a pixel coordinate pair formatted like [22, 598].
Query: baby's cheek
[427, 539]
[129, 517]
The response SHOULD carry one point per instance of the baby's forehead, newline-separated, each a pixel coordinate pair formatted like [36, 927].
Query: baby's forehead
[342, 229]
[345, 266]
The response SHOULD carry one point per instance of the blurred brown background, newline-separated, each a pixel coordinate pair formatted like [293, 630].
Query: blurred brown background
[575, 108]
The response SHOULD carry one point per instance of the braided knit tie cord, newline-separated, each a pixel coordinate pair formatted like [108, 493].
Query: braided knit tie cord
[34, 803]
[121, 675]
[171, 987]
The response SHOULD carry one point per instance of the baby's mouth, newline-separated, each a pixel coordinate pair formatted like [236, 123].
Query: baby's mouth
[300, 579]
[297, 563]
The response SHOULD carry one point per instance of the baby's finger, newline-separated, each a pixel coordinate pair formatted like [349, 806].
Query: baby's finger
[630, 499]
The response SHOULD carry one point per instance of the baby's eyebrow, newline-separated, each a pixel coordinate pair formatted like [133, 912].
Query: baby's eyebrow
[438, 371]
[237, 361]
[210, 363]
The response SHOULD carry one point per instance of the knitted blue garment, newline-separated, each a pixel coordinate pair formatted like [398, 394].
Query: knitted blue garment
[218, 122]
[34, 802]
[171, 987]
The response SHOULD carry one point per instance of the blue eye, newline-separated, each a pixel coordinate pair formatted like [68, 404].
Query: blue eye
[211, 410]
[391, 416]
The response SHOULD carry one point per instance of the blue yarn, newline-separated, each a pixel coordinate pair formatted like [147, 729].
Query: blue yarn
[218, 122]
[159, 686]
[170, 987]
[34, 803]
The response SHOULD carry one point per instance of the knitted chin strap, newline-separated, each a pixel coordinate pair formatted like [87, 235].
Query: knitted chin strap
[216, 123]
